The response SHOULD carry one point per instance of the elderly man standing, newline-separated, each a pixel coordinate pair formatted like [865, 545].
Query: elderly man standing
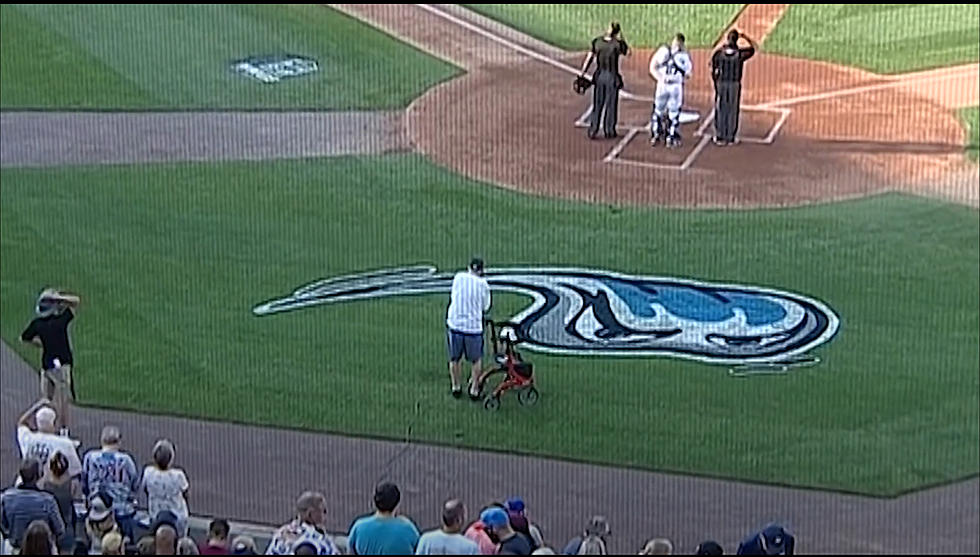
[41, 441]
[449, 539]
[306, 528]
[25, 503]
[112, 472]
[469, 300]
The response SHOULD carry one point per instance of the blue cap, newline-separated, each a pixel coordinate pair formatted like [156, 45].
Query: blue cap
[494, 517]
[775, 536]
[515, 504]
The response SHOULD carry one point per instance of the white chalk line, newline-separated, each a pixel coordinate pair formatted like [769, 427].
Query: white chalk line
[614, 153]
[694, 154]
[518, 48]
[631, 162]
[704, 125]
[891, 84]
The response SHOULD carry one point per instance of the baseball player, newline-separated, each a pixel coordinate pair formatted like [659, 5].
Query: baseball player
[670, 66]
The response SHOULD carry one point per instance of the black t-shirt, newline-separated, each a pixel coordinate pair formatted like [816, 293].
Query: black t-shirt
[726, 63]
[519, 544]
[607, 53]
[53, 332]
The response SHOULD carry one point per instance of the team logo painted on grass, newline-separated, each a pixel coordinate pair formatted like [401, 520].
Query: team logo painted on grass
[273, 69]
[588, 312]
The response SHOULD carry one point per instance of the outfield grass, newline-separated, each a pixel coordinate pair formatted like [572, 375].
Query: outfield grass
[149, 56]
[573, 26]
[971, 120]
[170, 260]
[883, 38]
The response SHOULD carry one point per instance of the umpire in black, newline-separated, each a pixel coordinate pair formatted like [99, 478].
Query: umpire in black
[726, 71]
[607, 80]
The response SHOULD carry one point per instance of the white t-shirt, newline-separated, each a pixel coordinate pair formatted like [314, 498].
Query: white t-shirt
[42, 446]
[165, 490]
[670, 73]
[438, 542]
[469, 299]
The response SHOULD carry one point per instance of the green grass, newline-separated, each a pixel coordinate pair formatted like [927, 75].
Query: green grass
[883, 38]
[170, 260]
[971, 121]
[178, 56]
[573, 26]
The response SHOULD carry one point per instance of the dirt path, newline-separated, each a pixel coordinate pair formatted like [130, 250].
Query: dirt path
[53, 138]
[253, 474]
[432, 33]
[954, 88]
[756, 21]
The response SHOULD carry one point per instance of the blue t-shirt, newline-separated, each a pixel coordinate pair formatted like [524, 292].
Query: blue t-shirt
[389, 535]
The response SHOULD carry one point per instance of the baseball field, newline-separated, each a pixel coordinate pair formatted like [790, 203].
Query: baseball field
[171, 257]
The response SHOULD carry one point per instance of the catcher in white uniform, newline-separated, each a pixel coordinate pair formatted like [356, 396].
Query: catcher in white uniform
[670, 66]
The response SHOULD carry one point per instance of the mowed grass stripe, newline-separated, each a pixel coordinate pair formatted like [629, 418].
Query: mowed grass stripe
[573, 26]
[182, 55]
[892, 38]
[39, 67]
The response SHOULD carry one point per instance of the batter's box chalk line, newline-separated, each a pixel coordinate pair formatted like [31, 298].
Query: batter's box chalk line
[687, 117]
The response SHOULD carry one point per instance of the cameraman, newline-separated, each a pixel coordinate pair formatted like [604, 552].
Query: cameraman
[49, 331]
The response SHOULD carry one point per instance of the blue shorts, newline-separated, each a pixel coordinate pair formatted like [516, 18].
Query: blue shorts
[464, 343]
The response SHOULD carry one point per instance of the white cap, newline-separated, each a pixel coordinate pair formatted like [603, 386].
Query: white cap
[45, 418]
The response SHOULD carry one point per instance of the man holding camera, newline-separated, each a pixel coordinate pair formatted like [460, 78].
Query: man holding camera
[49, 331]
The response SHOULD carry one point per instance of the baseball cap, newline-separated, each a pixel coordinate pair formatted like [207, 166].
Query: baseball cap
[515, 504]
[164, 517]
[98, 510]
[45, 417]
[709, 548]
[494, 517]
[597, 526]
[243, 545]
[775, 536]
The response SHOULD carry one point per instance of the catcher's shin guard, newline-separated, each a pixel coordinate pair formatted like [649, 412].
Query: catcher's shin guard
[674, 131]
[656, 126]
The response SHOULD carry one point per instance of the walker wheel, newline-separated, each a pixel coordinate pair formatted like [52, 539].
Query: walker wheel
[528, 396]
[491, 403]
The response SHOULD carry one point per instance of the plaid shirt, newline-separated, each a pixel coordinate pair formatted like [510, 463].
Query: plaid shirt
[286, 538]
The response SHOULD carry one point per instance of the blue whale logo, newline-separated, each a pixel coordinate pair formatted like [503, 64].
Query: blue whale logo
[590, 312]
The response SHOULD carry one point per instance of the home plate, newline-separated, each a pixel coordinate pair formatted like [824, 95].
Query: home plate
[688, 117]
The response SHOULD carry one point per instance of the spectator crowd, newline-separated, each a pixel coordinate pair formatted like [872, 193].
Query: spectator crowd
[63, 504]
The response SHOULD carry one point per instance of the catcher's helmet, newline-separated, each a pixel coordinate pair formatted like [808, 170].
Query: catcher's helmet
[581, 84]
